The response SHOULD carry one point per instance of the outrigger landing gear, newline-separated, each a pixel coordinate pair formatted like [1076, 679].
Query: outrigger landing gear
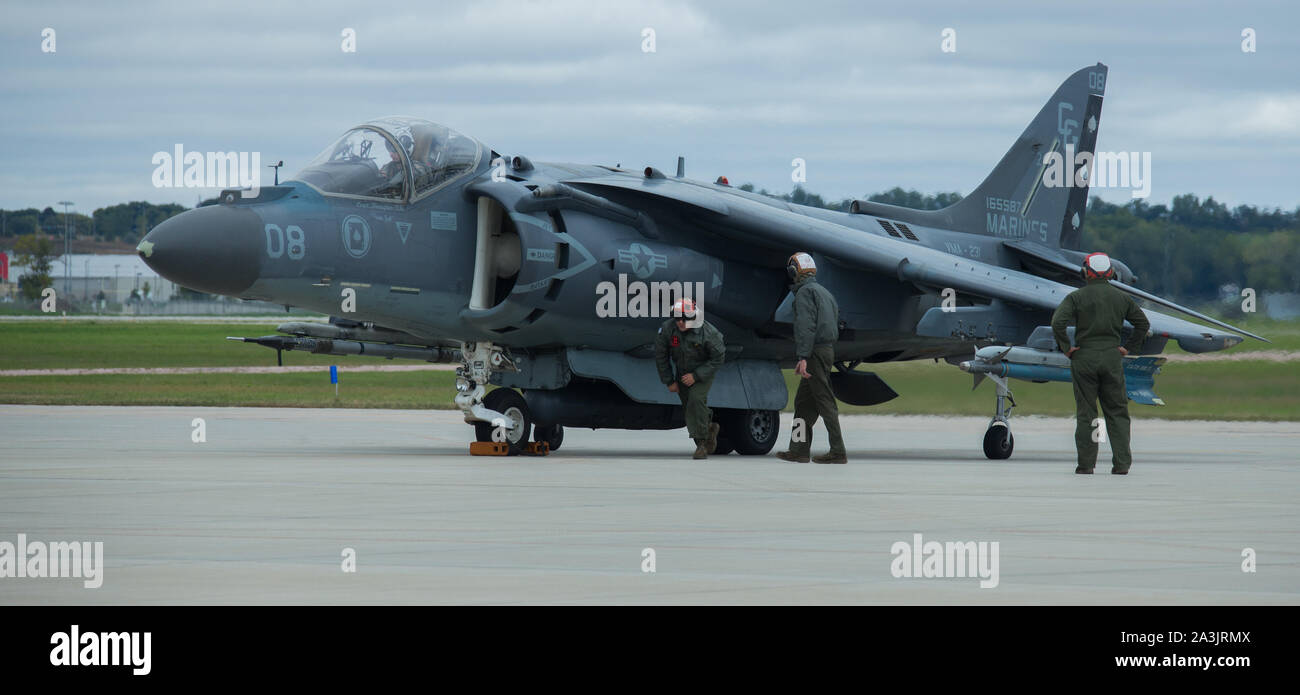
[500, 416]
[998, 442]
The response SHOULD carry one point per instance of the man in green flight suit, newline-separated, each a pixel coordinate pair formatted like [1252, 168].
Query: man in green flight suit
[1098, 311]
[697, 350]
[816, 328]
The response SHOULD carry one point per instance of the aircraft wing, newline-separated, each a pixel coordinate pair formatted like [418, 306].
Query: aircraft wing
[776, 226]
[1044, 255]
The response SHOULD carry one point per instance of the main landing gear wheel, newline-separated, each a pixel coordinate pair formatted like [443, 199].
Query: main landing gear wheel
[508, 402]
[751, 432]
[998, 441]
[724, 445]
[553, 435]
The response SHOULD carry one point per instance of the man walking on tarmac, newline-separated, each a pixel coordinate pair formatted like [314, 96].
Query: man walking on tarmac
[816, 328]
[1098, 311]
[697, 350]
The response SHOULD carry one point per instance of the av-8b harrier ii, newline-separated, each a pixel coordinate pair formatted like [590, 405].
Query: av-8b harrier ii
[533, 276]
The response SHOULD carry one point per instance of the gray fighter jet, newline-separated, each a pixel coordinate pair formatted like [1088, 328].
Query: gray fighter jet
[549, 280]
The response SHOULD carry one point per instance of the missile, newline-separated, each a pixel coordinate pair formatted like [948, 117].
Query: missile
[1023, 363]
[327, 346]
[1039, 366]
[360, 332]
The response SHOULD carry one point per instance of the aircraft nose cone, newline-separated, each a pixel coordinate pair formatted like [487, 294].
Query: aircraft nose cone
[212, 249]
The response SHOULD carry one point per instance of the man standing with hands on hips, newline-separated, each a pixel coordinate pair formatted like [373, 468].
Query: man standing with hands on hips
[816, 328]
[1098, 311]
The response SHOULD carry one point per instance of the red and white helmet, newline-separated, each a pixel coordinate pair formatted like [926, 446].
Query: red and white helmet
[799, 265]
[684, 308]
[1098, 265]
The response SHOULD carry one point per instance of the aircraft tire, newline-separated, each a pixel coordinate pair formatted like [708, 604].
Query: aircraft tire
[551, 434]
[752, 432]
[724, 445]
[508, 402]
[998, 442]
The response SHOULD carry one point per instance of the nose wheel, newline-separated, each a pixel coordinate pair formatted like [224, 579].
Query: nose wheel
[514, 428]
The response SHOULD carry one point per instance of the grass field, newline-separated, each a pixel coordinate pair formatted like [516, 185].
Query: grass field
[88, 344]
[1248, 390]
[58, 344]
[1243, 390]
[417, 390]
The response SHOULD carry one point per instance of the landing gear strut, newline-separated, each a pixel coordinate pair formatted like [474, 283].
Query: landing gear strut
[498, 416]
[998, 442]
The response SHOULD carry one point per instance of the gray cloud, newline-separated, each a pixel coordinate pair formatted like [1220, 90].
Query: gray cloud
[861, 92]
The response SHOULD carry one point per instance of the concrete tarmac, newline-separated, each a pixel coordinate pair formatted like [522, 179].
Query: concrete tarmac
[263, 510]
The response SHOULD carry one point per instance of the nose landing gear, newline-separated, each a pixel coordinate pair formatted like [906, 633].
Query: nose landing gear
[511, 405]
[499, 416]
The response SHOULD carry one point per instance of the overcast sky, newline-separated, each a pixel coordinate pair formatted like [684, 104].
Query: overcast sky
[861, 91]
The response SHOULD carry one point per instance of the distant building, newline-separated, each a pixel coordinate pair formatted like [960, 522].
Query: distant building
[1283, 306]
[116, 275]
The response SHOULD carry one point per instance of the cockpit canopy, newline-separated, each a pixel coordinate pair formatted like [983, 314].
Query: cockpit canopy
[395, 158]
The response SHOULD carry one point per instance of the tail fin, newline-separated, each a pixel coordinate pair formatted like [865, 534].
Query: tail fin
[1014, 201]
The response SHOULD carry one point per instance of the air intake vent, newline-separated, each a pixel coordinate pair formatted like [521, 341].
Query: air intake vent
[888, 227]
[906, 232]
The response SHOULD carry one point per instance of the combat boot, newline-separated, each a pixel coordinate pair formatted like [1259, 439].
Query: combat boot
[792, 457]
[701, 450]
[829, 457]
[712, 442]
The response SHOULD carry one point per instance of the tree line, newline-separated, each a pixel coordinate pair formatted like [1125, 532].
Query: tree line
[126, 222]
